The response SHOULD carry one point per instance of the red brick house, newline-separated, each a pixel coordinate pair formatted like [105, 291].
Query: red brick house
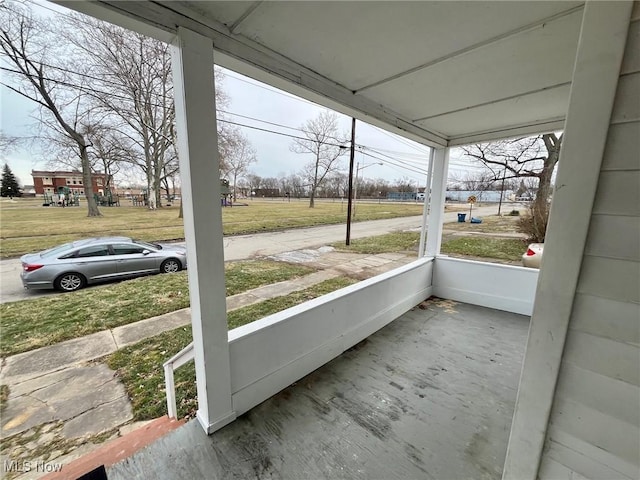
[51, 181]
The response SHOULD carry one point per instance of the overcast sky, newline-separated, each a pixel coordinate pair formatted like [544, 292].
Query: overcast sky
[399, 156]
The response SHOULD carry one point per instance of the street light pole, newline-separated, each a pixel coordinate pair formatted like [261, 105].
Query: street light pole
[358, 168]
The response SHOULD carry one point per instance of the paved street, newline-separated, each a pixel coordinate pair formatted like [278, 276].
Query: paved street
[249, 246]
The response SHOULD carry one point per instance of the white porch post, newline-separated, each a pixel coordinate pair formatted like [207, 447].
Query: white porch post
[199, 171]
[426, 206]
[437, 198]
[595, 79]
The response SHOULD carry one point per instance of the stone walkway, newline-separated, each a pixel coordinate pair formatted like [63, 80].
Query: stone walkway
[64, 403]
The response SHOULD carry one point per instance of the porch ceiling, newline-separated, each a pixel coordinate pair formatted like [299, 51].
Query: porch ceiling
[443, 72]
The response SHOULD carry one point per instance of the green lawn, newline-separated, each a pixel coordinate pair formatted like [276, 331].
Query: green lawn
[30, 324]
[389, 242]
[27, 227]
[139, 366]
[508, 249]
[490, 224]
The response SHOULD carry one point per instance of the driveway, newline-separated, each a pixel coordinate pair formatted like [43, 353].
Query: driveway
[249, 246]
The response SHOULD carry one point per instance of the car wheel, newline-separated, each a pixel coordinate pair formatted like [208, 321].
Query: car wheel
[70, 282]
[170, 265]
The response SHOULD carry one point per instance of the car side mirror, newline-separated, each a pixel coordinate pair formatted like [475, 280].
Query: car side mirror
[146, 252]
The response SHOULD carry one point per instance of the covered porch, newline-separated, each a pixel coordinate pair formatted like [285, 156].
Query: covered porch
[430, 395]
[444, 74]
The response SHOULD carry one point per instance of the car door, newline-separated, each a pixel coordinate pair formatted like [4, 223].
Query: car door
[133, 259]
[95, 262]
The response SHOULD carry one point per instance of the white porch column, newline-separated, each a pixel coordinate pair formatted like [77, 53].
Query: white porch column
[595, 79]
[437, 198]
[199, 172]
[426, 206]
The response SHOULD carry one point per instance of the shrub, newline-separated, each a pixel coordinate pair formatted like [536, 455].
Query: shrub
[534, 222]
[514, 213]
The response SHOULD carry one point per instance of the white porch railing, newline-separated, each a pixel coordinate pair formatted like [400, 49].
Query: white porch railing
[182, 357]
[275, 351]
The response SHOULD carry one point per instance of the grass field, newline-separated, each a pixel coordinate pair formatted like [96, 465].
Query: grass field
[29, 227]
[490, 224]
[30, 324]
[139, 366]
[506, 249]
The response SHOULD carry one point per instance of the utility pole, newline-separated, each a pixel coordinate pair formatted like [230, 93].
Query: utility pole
[349, 202]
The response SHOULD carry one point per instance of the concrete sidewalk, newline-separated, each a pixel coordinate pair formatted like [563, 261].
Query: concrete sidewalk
[65, 402]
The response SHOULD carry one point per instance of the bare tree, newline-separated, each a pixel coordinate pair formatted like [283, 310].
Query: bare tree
[404, 185]
[533, 157]
[237, 161]
[476, 182]
[7, 143]
[132, 88]
[323, 142]
[106, 155]
[254, 181]
[25, 43]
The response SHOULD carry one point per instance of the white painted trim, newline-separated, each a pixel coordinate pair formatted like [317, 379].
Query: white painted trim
[511, 288]
[108, 14]
[426, 206]
[273, 352]
[533, 128]
[438, 196]
[595, 79]
[199, 166]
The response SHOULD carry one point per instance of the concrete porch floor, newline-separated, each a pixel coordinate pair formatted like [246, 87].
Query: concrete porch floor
[429, 396]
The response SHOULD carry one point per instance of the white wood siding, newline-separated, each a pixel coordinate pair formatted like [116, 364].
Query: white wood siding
[594, 428]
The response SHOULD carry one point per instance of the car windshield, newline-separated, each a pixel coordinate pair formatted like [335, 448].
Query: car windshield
[52, 252]
[153, 246]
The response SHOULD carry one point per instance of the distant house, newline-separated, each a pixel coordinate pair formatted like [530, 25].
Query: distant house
[51, 182]
[28, 191]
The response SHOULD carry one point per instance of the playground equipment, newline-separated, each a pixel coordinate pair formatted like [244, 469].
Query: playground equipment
[108, 199]
[64, 197]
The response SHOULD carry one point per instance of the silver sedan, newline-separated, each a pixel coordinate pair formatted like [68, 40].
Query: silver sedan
[74, 265]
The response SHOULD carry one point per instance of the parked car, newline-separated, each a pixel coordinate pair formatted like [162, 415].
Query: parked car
[74, 265]
[533, 256]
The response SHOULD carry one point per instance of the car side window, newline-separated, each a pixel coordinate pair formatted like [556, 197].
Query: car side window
[126, 249]
[93, 251]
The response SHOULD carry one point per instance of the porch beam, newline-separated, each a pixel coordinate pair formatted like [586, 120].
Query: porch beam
[523, 130]
[595, 79]
[194, 90]
[437, 199]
